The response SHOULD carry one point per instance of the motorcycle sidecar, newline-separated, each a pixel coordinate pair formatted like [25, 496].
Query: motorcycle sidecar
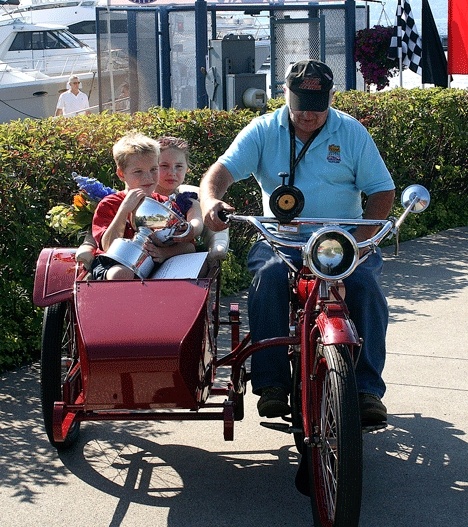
[125, 350]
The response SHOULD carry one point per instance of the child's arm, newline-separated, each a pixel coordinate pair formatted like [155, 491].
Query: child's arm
[194, 217]
[116, 228]
[160, 254]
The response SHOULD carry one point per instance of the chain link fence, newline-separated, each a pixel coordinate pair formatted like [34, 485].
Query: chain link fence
[157, 46]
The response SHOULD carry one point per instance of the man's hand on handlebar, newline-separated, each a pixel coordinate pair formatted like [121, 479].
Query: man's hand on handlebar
[215, 214]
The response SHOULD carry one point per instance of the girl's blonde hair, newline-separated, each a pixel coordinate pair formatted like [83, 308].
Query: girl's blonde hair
[131, 144]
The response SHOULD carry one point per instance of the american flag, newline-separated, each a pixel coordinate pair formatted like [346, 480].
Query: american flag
[406, 42]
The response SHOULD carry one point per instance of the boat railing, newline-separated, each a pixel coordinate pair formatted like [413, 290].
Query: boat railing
[121, 105]
[66, 64]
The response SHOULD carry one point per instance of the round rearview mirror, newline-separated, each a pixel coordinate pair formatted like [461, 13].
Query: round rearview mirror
[418, 196]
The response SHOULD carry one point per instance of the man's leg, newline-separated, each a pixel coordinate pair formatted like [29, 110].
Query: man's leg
[369, 311]
[268, 305]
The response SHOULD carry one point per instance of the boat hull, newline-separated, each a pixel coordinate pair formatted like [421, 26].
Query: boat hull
[37, 99]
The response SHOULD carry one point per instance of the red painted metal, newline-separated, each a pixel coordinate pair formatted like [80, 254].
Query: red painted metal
[55, 276]
[145, 346]
[336, 327]
[309, 335]
[304, 288]
[148, 348]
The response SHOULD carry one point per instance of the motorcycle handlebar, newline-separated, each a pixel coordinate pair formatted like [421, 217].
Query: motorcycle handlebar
[223, 215]
[414, 198]
[257, 222]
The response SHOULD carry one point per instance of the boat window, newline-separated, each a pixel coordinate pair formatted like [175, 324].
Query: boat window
[52, 40]
[39, 40]
[86, 27]
[67, 39]
[117, 26]
[21, 42]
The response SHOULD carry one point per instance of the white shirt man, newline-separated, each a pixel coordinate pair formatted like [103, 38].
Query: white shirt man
[73, 101]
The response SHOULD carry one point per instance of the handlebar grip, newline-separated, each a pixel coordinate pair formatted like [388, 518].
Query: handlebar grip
[223, 215]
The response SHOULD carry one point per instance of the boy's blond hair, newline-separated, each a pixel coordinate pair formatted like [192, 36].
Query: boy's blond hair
[131, 144]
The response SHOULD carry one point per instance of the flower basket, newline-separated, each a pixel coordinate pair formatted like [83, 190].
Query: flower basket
[371, 51]
[75, 218]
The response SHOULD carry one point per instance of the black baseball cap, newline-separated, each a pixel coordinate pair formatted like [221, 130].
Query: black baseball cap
[309, 83]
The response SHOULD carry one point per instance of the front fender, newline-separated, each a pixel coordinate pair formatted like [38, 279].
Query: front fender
[336, 327]
[55, 276]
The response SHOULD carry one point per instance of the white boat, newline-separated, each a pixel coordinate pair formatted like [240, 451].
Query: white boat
[37, 60]
[32, 94]
[80, 18]
[50, 49]
[78, 15]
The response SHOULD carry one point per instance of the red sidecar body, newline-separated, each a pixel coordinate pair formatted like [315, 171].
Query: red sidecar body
[141, 350]
[132, 348]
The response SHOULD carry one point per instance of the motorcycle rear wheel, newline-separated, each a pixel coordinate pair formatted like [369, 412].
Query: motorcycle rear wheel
[335, 454]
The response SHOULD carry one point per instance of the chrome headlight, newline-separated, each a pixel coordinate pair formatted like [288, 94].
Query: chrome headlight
[331, 253]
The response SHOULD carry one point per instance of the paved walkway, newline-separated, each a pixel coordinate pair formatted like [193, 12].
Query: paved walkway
[183, 474]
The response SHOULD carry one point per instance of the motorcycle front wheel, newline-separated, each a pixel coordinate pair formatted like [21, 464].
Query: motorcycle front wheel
[334, 454]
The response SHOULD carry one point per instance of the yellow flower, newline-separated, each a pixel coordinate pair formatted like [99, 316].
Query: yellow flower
[79, 201]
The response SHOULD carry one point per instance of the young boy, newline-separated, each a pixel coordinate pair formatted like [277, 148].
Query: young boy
[136, 157]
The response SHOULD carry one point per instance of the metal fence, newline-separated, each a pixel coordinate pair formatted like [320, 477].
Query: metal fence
[169, 48]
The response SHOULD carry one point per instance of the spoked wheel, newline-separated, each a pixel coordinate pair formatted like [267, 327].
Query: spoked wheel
[58, 356]
[335, 452]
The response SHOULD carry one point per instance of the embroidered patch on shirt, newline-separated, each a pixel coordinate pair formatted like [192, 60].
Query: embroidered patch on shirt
[334, 154]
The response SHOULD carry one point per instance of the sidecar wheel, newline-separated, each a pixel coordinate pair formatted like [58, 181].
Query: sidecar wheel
[58, 355]
[335, 450]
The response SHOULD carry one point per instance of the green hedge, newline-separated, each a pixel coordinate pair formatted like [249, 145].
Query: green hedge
[422, 135]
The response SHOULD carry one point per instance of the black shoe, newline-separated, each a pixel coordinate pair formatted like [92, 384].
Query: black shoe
[373, 411]
[273, 402]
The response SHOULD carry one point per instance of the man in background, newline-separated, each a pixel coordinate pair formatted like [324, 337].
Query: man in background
[73, 101]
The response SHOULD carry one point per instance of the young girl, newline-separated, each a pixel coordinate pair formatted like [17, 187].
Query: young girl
[173, 166]
[137, 160]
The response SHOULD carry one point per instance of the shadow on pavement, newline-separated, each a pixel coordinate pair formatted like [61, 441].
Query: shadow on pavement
[415, 471]
[199, 487]
[433, 267]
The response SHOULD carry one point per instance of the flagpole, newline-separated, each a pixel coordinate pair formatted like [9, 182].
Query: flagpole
[400, 55]
[109, 51]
